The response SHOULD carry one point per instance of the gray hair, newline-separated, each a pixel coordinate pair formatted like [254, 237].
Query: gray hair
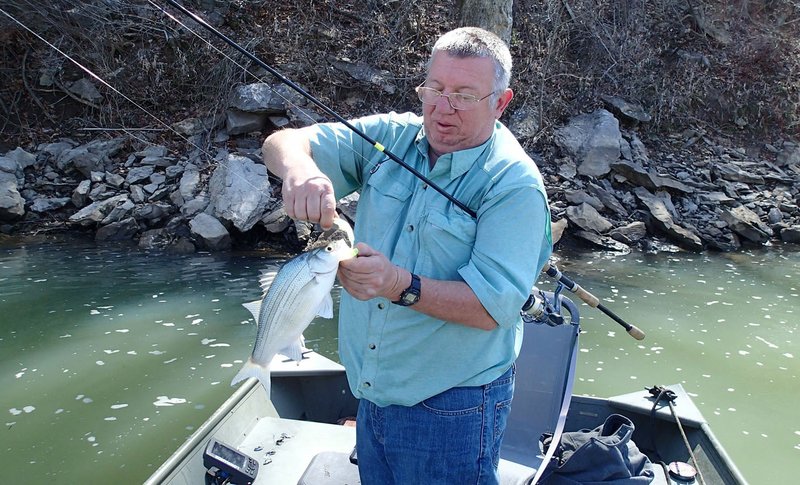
[476, 42]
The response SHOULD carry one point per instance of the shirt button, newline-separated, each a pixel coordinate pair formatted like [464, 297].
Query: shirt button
[367, 384]
[410, 228]
[372, 346]
[381, 306]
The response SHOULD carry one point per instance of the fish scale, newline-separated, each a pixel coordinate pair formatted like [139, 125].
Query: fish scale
[295, 272]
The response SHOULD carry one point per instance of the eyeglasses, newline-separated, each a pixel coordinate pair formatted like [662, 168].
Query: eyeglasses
[458, 101]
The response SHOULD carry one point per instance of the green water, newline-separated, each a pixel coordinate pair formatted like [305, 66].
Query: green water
[110, 358]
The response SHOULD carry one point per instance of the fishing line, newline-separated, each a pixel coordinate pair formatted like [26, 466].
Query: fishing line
[134, 103]
[373, 166]
[322, 106]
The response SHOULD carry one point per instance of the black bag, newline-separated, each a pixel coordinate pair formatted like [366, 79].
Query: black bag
[604, 455]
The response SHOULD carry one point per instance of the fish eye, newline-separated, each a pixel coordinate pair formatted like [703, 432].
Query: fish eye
[329, 248]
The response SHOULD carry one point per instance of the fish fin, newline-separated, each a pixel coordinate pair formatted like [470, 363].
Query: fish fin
[325, 309]
[253, 369]
[266, 279]
[295, 350]
[254, 307]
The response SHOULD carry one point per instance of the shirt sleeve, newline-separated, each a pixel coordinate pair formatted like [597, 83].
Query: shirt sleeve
[345, 156]
[512, 244]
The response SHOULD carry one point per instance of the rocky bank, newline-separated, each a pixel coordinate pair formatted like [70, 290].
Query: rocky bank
[610, 186]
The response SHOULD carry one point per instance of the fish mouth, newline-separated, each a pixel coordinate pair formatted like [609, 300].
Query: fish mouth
[341, 230]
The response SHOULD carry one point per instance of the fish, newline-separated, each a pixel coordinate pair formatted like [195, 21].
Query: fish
[298, 293]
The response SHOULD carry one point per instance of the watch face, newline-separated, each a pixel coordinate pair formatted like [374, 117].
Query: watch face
[410, 298]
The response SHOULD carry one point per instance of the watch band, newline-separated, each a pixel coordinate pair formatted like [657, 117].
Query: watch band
[410, 295]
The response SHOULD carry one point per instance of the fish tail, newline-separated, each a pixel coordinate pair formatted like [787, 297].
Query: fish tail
[254, 369]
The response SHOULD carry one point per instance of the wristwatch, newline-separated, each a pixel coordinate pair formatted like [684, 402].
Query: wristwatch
[410, 295]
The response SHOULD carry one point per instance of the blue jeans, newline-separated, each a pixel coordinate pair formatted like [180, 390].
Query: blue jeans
[451, 438]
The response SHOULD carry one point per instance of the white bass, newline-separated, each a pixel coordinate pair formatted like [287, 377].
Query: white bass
[299, 292]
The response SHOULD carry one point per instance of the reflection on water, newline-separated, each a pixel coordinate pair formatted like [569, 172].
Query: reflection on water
[110, 358]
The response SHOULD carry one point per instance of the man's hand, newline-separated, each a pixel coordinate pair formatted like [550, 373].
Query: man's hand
[307, 193]
[371, 275]
[308, 196]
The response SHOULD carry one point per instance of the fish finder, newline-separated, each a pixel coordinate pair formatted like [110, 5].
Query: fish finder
[227, 463]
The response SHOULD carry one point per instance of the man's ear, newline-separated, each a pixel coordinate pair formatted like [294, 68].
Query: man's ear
[502, 102]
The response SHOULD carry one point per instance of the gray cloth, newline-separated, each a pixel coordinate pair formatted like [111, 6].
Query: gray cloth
[604, 455]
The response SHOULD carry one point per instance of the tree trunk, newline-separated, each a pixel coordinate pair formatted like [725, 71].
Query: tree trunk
[492, 15]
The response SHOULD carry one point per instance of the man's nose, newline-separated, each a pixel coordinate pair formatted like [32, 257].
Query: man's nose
[443, 103]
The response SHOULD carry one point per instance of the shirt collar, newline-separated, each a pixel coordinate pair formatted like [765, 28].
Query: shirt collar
[457, 163]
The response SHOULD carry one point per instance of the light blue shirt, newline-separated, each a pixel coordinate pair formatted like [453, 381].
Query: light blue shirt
[393, 354]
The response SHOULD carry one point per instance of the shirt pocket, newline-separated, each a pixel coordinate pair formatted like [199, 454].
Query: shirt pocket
[383, 202]
[447, 242]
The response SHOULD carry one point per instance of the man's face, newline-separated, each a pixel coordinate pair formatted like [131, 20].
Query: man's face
[449, 130]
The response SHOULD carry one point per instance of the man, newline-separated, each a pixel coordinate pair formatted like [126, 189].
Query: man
[430, 326]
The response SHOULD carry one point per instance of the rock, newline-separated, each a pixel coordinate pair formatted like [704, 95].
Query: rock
[45, 204]
[239, 192]
[97, 211]
[86, 90]
[240, 122]
[276, 221]
[137, 174]
[80, 196]
[629, 233]
[190, 182]
[192, 126]
[12, 204]
[577, 197]
[732, 173]
[775, 215]
[791, 234]
[593, 141]
[257, 98]
[789, 155]
[587, 218]
[626, 110]
[747, 224]
[662, 220]
[603, 242]
[367, 74]
[121, 211]
[639, 176]
[94, 156]
[122, 230]
[113, 179]
[608, 199]
[23, 158]
[524, 122]
[210, 232]
[194, 206]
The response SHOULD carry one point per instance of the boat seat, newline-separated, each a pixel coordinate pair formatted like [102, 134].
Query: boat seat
[542, 391]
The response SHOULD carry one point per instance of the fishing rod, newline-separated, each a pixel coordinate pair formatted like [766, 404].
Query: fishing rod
[322, 106]
[587, 297]
[590, 299]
